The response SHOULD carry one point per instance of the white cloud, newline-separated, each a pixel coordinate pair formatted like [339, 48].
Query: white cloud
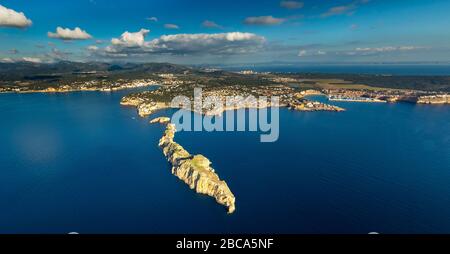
[56, 54]
[291, 4]
[340, 10]
[381, 49]
[302, 53]
[264, 20]
[183, 44]
[68, 34]
[410, 48]
[354, 26]
[31, 60]
[368, 51]
[388, 49]
[211, 24]
[23, 59]
[171, 26]
[6, 60]
[11, 18]
[348, 9]
[92, 48]
[223, 43]
[128, 39]
[154, 19]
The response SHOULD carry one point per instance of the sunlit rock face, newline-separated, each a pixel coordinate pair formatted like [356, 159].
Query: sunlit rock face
[161, 120]
[434, 99]
[195, 171]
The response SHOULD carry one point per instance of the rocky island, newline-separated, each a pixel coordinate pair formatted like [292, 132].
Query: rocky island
[194, 170]
[161, 120]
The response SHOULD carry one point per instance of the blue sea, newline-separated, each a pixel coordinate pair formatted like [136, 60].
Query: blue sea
[80, 162]
[376, 69]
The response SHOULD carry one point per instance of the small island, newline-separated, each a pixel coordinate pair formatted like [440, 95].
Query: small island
[194, 170]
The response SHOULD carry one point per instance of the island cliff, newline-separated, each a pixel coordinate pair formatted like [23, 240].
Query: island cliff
[195, 171]
[161, 120]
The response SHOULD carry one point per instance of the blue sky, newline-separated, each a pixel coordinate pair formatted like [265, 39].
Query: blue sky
[226, 31]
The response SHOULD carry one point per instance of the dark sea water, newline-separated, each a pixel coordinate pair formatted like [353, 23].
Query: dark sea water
[81, 162]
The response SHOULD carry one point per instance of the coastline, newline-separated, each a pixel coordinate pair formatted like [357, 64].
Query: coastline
[356, 100]
[146, 106]
[146, 109]
[68, 89]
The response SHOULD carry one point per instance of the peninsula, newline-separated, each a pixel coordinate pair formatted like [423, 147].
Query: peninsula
[194, 170]
[149, 102]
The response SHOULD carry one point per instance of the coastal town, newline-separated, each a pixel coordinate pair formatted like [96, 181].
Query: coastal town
[387, 96]
[290, 91]
[149, 102]
[79, 86]
[293, 89]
